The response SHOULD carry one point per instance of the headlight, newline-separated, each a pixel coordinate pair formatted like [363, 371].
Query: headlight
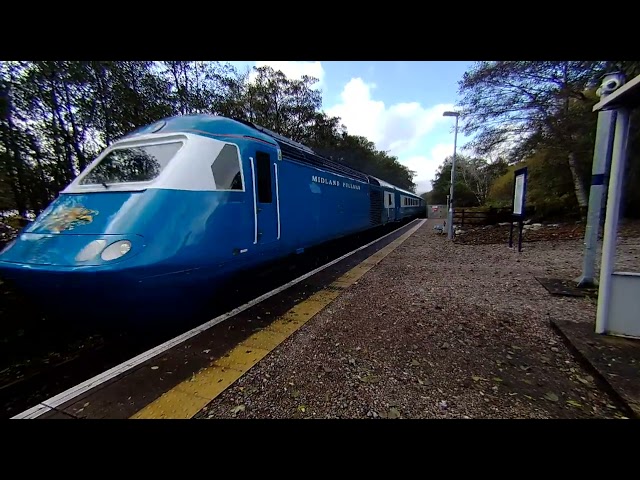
[91, 250]
[116, 250]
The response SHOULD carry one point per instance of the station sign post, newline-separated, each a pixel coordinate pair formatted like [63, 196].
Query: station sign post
[518, 204]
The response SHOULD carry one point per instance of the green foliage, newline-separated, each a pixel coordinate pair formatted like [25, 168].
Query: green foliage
[549, 189]
[541, 112]
[56, 116]
[473, 180]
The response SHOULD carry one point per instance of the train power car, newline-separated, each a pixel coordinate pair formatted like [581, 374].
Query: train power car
[185, 201]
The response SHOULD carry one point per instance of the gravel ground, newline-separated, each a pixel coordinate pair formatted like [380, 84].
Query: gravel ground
[437, 330]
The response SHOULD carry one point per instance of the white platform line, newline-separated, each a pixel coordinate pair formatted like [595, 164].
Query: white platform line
[103, 377]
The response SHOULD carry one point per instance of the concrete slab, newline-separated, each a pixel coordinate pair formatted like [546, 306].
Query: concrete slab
[614, 360]
[567, 288]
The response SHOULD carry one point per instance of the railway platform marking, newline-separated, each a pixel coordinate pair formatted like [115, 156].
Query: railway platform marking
[98, 381]
[190, 396]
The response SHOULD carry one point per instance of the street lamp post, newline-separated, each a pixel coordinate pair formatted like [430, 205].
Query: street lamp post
[453, 174]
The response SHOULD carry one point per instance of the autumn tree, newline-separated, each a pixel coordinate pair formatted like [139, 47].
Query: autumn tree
[463, 196]
[478, 174]
[522, 105]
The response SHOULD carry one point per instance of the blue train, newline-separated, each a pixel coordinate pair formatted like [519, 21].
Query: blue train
[187, 200]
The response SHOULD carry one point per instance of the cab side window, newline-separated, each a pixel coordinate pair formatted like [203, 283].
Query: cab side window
[226, 169]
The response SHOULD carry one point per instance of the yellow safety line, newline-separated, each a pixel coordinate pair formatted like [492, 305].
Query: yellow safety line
[189, 397]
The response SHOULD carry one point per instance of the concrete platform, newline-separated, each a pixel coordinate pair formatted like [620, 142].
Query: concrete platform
[178, 380]
[435, 329]
[614, 360]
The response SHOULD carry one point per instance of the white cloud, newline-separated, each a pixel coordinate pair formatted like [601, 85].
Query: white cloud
[396, 128]
[296, 70]
[399, 128]
[426, 166]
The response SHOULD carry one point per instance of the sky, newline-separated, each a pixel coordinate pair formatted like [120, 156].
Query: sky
[396, 105]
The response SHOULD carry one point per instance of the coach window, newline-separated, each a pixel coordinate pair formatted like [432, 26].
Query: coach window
[226, 169]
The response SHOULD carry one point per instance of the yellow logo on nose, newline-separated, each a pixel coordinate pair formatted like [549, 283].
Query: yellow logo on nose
[67, 218]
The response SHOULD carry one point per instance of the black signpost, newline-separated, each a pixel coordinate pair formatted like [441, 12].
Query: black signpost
[518, 204]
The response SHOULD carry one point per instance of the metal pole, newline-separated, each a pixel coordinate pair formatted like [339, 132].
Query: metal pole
[601, 160]
[453, 177]
[618, 160]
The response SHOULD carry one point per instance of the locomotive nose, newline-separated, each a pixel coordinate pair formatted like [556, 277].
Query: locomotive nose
[71, 250]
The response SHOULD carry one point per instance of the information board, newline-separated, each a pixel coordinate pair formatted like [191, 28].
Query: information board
[519, 191]
[518, 207]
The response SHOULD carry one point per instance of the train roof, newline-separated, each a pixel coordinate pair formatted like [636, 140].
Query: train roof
[382, 183]
[407, 192]
[218, 125]
[206, 124]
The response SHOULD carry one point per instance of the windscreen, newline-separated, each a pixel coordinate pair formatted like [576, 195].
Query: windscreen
[132, 164]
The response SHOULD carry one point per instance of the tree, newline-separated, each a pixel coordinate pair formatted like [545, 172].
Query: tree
[478, 174]
[463, 195]
[56, 116]
[521, 106]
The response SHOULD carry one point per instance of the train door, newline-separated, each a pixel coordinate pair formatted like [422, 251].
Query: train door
[266, 198]
[396, 206]
[390, 206]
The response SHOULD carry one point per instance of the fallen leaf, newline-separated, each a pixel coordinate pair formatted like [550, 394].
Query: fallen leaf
[237, 409]
[497, 379]
[582, 380]
[370, 379]
[552, 397]
[477, 379]
[302, 408]
[295, 394]
[415, 363]
[573, 403]
[393, 413]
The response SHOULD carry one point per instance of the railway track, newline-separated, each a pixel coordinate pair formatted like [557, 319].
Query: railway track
[60, 358]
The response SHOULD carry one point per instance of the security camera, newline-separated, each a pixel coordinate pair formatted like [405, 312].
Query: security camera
[610, 83]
